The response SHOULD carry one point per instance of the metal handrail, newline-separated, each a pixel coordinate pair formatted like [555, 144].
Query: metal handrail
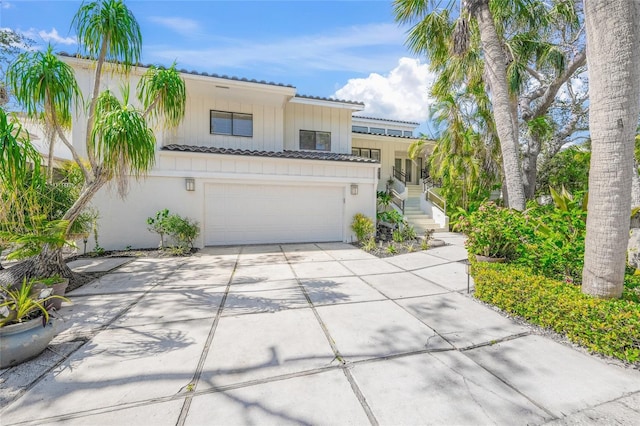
[395, 199]
[437, 200]
[400, 175]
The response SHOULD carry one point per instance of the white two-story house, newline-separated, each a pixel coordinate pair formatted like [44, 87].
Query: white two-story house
[252, 162]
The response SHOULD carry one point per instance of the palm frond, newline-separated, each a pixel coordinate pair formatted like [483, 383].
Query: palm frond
[109, 25]
[163, 95]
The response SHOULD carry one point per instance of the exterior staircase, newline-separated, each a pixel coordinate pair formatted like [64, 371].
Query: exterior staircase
[416, 217]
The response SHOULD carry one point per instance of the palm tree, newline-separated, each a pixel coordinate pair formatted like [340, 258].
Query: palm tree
[431, 28]
[544, 45]
[108, 31]
[46, 88]
[20, 176]
[613, 60]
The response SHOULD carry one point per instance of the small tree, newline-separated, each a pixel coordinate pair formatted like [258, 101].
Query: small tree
[119, 140]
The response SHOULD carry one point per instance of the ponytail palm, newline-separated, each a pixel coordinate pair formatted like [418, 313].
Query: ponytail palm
[120, 142]
[108, 31]
[46, 87]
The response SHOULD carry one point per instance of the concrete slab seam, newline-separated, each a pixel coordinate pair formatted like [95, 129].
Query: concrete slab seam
[513, 387]
[205, 350]
[85, 339]
[354, 386]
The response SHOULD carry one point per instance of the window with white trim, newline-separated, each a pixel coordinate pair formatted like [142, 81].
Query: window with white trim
[231, 123]
[315, 141]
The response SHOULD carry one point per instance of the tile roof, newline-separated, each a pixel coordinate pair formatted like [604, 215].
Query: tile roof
[297, 155]
[320, 98]
[192, 72]
[385, 119]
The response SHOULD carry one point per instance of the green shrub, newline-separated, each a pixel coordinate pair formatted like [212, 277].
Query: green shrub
[555, 248]
[369, 245]
[158, 225]
[363, 227]
[398, 237]
[408, 232]
[392, 216]
[182, 230]
[495, 231]
[609, 327]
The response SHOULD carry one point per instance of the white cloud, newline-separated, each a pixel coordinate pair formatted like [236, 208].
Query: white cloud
[50, 37]
[403, 94]
[344, 49]
[184, 26]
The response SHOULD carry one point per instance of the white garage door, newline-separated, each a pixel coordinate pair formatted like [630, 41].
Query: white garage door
[247, 214]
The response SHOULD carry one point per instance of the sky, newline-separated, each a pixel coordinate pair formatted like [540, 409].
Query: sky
[352, 50]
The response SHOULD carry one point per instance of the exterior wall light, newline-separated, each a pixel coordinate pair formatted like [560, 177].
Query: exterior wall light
[190, 184]
[354, 189]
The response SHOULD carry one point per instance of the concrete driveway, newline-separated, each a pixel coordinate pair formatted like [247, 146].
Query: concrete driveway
[305, 334]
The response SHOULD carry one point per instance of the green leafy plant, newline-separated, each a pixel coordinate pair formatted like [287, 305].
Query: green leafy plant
[494, 231]
[607, 326]
[428, 236]
[398, 236]
[411, 247]
[369, 245]
[408, 232]
[391, 249]
[158, 224]
[182, 230]
[392, 216]
[363, 227]
[555, 243]
[24, 303]
[37, 233]
[383, 199]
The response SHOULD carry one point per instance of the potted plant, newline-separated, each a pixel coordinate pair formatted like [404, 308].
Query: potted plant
[493, 233]
[58, 285]
[26, 328]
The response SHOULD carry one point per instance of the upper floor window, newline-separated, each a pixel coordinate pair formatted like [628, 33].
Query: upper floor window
[366, 153]
[408, 133]
[231, 123]
[394, 132]
[377, 130]
[316, 141]
[361, 129]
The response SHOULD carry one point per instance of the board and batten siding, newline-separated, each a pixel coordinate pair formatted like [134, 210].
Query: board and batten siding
[317, 118]
[195, 129]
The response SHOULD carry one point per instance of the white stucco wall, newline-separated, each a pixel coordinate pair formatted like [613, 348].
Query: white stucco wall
[123, 222]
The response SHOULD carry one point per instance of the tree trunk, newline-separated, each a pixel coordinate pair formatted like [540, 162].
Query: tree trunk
[530, 167]
[495, 66]
[613, 60]
[635, 194]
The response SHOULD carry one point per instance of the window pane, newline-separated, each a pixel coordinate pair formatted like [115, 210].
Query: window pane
[221, 122]
[375, 154]
[242, 125]
[307, 139]
[355, 151]
[323, 141]
[408, 133]
[366, 153]
[360, 129]
[377, 130]
[393, 132]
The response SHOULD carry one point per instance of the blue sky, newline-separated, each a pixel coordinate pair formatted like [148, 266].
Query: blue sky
[347, 49]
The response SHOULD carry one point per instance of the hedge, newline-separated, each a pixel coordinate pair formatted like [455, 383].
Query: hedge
[609, 327]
